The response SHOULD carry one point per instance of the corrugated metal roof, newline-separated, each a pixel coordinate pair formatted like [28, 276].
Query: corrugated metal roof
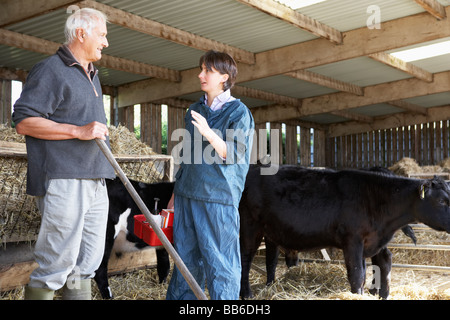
[140, 47]
[361, 71]
[18, 59]
[432, 100]
[288, 86]
[346, 15]
[49, 26]
[226, 21]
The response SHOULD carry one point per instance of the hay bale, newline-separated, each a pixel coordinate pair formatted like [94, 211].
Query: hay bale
[123, 141]
[432, 169]
[445, 165]
[406, 166]
[19, 217]
[9, 134]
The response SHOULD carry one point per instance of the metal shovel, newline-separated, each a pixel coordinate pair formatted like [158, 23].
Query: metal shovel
[161, 236]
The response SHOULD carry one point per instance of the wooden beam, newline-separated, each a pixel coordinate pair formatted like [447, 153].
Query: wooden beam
[326, 81]
[433, 7]
[390, 121]
[176, 103]
[295, 18]
[381, 93]
[241, 91]
[286, 114]
[401, 65]
[17, 274]
[305, 124]
[394, 34]
[30, 43]
[276, 113]
[156, 29]
[14, 11]
[264, 95]
[136, 67]
[352, 116]
[12, 74]
[408, 106]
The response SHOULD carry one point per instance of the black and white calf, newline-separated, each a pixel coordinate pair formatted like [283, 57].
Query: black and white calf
[122, 210]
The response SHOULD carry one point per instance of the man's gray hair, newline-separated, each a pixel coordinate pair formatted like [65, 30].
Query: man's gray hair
[86, 19]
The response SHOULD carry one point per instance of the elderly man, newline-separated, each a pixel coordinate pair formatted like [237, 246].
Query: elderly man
[61, 112]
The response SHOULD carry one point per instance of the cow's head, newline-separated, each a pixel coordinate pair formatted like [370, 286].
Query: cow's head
[434, 207]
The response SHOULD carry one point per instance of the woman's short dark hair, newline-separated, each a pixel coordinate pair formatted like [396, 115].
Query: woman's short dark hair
[223, 63]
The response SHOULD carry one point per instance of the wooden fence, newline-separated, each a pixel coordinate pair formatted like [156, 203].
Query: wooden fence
[427, 143]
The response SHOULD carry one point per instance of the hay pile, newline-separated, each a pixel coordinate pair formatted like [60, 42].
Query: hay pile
[10, 135]
[19, 218]
[124, 142]
[407, 166]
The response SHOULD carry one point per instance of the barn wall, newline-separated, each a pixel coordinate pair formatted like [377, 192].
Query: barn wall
[427, 143]
[298, 145]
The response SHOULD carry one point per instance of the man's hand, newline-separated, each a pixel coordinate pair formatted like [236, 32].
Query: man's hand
[45, 129]
[93, 130]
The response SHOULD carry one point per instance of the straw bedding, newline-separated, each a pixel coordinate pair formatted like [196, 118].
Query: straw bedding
[307, 281]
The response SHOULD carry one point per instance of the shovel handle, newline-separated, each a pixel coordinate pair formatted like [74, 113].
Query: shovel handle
[161, 236]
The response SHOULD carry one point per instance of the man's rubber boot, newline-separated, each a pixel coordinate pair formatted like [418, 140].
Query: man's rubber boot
[38, 293]
[79, 290]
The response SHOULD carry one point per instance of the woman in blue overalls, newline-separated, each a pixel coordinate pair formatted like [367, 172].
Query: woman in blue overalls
[209, 184]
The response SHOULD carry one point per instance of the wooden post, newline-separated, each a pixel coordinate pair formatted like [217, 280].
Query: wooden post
[5, 102]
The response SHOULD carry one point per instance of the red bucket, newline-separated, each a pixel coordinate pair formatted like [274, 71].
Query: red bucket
[150, 237]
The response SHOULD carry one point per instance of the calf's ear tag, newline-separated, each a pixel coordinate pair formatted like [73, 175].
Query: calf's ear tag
[422, 192]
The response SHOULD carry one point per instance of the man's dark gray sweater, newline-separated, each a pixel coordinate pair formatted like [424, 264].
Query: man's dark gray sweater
[59, 89]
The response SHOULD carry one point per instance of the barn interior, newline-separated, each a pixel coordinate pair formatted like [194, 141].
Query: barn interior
[337, 83]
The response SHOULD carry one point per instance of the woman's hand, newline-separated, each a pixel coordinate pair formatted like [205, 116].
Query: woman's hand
[202, 125]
